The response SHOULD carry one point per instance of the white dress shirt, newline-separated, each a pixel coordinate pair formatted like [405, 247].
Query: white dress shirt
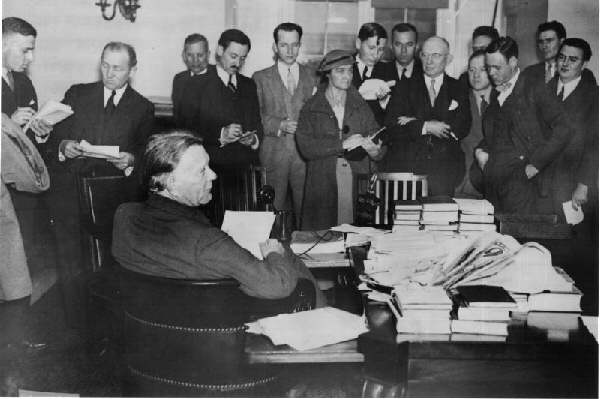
[284, 69]
[406, 70]
[118, 95]
[568, 87]
[510, 86]
[361, 67]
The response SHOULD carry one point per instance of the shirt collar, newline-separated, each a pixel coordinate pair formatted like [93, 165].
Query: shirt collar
[168, 205]
[438, 81]
[224, 76]
[361, 66]
[5, 73]
[192, 74]
[118, 94]
[283, 68]
[568, 87]
[485, 93]
[408, 68]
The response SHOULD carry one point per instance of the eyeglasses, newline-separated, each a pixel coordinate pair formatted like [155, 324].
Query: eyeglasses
[434, 56]
[561, 57]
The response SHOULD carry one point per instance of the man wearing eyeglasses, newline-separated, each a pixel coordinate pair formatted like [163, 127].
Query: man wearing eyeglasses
[427, 117]
[517, 150]
[575, 168]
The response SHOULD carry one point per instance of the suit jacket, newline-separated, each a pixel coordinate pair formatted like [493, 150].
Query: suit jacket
[181, 82]
[514, 137]
[209, 105]
[357, 80]
[276, 104]
[426, 154]
[577, 162]
[129, 126]
[389, 71]
[23, 96]
[472, 184]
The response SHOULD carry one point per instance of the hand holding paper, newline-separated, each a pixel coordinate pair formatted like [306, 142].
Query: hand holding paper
[375, 89]
[51, 113]
[99, 151]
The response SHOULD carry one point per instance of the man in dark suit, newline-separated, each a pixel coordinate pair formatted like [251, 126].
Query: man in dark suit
[549, 37]
[517, 149]
[195, 56]
[479, 99]
[427, 117]
[108, 112]
[370, 44]
[575, 169]
[226, 111]
[481, 38]
[404, 44]
[283, 89]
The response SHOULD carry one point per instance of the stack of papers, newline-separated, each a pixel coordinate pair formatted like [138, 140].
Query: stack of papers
[475, 215]
[249, 229]
[317, 242]
[310, 329]
[99, 151]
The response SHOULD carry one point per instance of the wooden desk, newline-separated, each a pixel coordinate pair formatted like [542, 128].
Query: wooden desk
[527, 364]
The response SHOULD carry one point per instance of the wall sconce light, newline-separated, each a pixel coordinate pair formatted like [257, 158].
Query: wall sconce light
[127, 8]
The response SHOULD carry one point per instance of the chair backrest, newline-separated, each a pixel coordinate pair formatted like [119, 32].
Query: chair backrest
[390, 187]
[99, 198]
[236, 189]
[187, 337]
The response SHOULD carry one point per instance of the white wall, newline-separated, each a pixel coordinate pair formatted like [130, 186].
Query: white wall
[72, 33]
[580, 18]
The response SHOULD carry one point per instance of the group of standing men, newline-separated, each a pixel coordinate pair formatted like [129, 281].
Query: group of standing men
[526, 140]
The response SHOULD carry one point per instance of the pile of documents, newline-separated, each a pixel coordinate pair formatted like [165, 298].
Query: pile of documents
[407, 215]
[439, 214]
[420, 309]
[475, 215]
[481, 309]
[310, 329]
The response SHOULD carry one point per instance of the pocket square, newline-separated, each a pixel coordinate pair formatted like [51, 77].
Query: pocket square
[453, 105]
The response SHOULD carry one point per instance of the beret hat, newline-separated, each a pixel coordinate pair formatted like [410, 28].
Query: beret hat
[334, 59]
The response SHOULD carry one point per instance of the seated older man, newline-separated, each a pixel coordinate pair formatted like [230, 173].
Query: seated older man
[169, 236]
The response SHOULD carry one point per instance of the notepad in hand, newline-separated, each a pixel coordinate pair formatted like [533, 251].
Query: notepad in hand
[52, 112]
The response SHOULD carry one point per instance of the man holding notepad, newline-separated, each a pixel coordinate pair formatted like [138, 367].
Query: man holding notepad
[111, 121]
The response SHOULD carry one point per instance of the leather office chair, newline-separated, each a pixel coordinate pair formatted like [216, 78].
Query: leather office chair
[390, 187]
[187, 337]
[237, 189]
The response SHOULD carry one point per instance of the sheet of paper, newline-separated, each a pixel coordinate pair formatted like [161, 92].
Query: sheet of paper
[310, 329]
[248, 229]
[99, 151]
[573, 216]
[591, 323]
[52, 112]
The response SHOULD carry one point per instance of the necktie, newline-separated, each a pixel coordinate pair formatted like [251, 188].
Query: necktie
[432, 93]
[10, 80]
[230, 84]
[561, 93]
[549, 73]
[364, 74]
[483, 105]
[291, 82]
[403, 74]
[109, 109]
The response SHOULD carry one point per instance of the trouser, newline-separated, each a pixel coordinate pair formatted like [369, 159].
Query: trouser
[63, 204]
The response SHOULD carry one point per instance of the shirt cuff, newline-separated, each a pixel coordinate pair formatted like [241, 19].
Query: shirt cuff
[41, 140]
[221, 138]
[256, 142]
[423, 130]
[128, 171]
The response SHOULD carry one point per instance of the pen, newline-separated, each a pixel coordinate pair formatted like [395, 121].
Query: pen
[453, 136]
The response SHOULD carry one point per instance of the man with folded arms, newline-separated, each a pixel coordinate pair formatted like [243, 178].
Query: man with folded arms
[427, 116]
[169, 236]
[109, 113]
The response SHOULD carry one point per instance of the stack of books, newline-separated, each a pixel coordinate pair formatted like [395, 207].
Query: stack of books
[407, 214]
[421, 310]
[439, 213]
[481, 310]
[475, 215]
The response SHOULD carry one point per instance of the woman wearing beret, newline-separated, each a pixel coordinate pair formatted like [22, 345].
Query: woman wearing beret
[335, 119]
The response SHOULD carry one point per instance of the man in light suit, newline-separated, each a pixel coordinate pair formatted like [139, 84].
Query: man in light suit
[427, 117]
[282, 91]
[107, 112]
